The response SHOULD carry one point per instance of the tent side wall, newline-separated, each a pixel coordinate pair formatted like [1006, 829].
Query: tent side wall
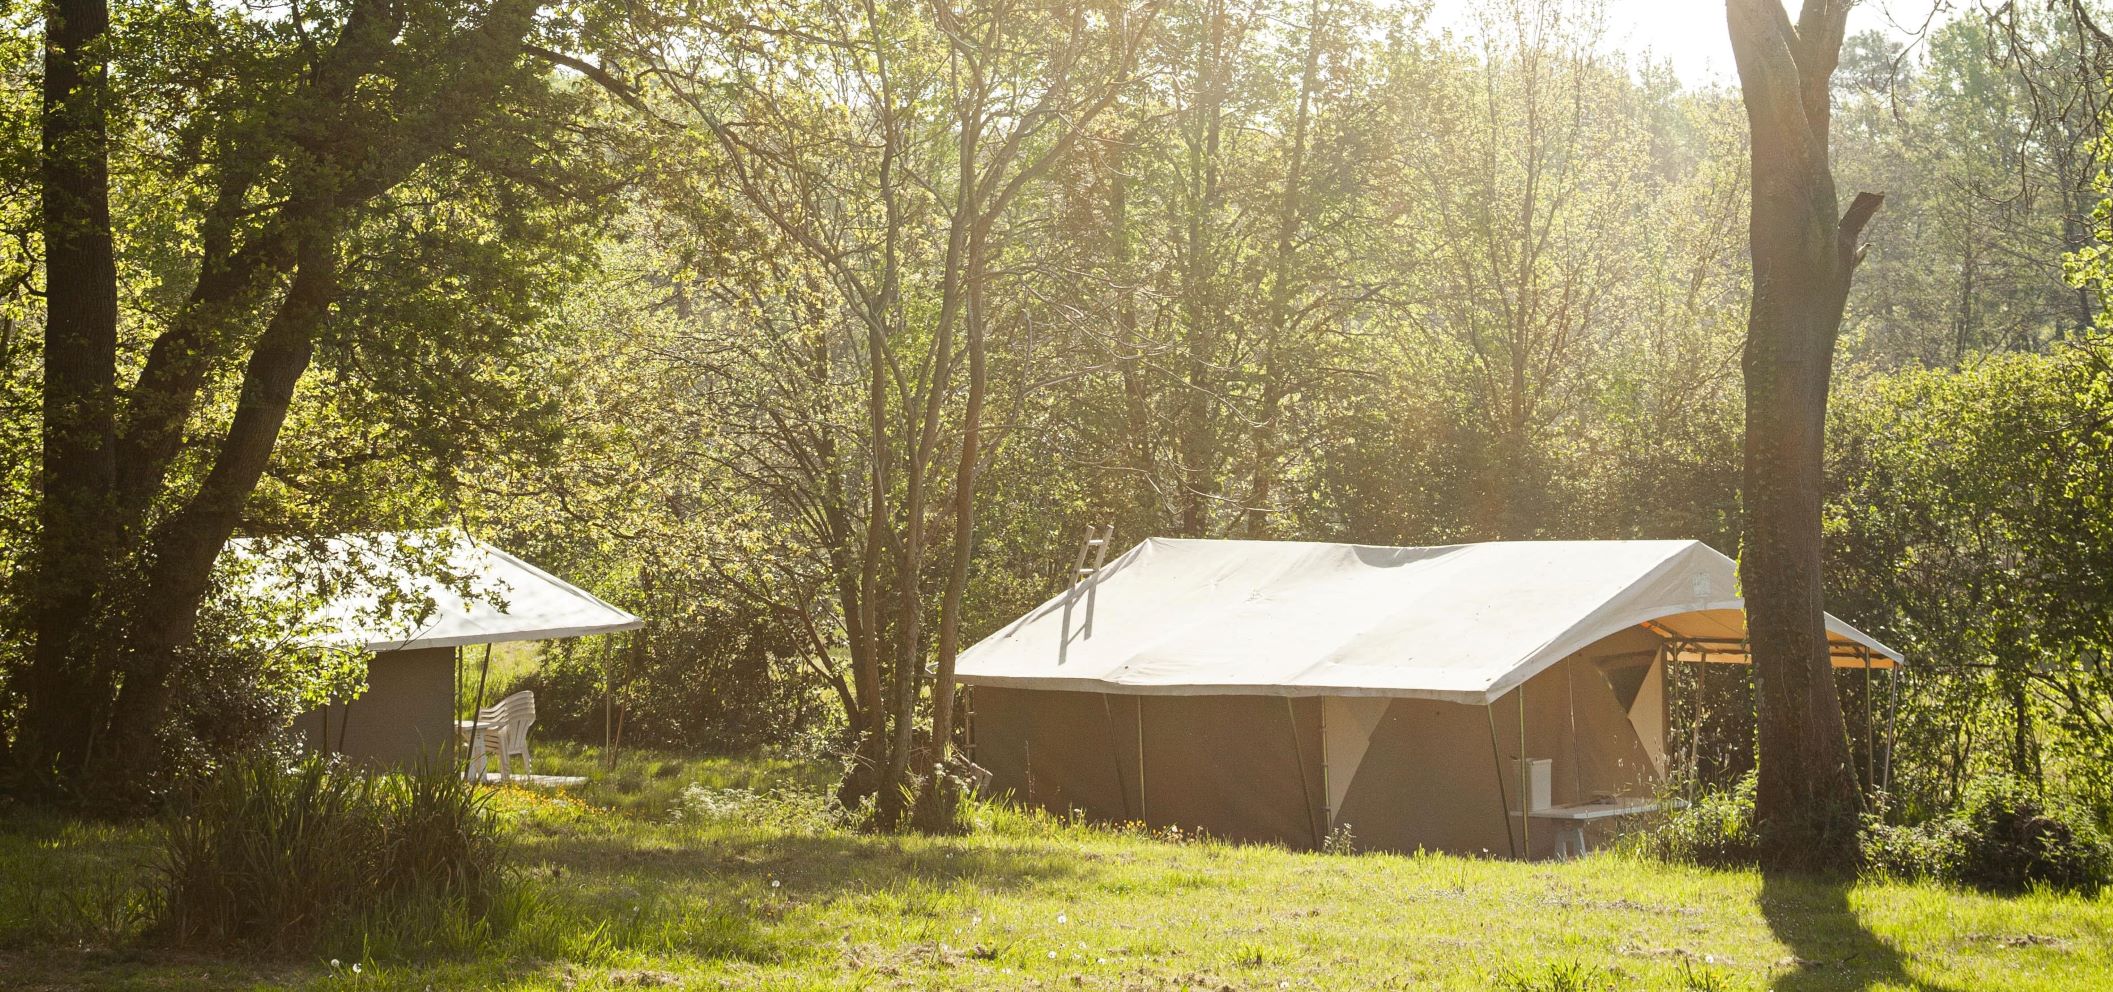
[405, 716]
[1244, 768]
[1253, 768]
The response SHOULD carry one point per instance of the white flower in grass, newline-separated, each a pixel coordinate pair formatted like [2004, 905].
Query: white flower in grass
[1061, 918]
[1052, 955]
[355, 967]
[774, 883]
[334, 963]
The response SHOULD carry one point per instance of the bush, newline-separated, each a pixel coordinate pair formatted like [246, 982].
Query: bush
[1922, 851]
[698, 680]
[2010, 838]
[269, 857]
[2004, 837]
[1715, 831]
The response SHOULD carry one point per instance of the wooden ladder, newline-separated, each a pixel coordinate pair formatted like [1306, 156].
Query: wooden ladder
[1095, 546]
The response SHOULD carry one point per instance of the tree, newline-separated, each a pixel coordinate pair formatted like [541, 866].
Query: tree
[1807, 804]
[881, 149]
[285, 182]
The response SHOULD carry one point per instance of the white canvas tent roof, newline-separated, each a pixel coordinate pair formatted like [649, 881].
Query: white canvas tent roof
[478, 594]
[1460, 623]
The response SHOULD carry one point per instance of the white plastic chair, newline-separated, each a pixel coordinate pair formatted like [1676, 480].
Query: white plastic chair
[502, 732]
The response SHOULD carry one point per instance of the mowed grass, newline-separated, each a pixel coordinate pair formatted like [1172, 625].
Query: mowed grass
[617, 893]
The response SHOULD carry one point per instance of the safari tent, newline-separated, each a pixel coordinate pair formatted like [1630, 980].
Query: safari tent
[1465, 698]
[413, 602]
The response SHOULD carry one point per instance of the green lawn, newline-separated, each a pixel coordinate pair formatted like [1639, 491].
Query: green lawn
[617, 894]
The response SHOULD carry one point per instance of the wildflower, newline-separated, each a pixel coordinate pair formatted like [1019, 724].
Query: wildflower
[774, 883]
[355, 967]
[1061, 918]
[334, 963]
[1052, 955]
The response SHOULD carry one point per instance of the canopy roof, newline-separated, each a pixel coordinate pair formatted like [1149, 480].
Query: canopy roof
[1462, 623]
[390, 592]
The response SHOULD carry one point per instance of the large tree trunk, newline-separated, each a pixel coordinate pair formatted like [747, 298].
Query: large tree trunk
[183, 547]
[75, 545]
[1808, 805]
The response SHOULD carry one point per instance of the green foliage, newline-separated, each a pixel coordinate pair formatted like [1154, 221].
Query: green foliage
[701, 678]
[325, 855]
[1969, 530]
[2005, 837]
[2011, 838]
[1716, 830]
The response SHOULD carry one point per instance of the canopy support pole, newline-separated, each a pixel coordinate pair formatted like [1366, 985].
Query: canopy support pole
[477, 714]
[1870, 736]
[1496, 759]
[1892, 721]
[608, 711]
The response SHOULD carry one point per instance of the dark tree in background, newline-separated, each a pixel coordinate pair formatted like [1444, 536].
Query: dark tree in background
[80, 370]
[1805, 251]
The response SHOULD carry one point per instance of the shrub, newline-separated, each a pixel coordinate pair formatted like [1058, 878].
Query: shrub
[2004, 837]
[273, 857]
[1927, 850]
[698, 679]
[2010, 838]
[1716, 830]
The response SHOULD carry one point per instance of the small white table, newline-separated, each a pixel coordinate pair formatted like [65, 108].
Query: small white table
[1570, 819]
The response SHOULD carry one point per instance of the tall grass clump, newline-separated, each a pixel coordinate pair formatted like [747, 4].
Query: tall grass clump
[274, 857]
[1714, 831]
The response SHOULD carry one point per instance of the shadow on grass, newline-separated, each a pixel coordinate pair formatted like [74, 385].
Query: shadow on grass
[817, 866]
[1834, 951]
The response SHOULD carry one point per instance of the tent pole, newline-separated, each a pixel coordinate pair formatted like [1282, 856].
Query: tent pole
[1525, 798]
[477, 714]
[1694, 747]
[1892, 721]
[1140, 710]
[1496, 759]
[1327, 794]
[1870, 741]
[1108, 713]
[1298, 754]
[1577, 771]
[608, 712]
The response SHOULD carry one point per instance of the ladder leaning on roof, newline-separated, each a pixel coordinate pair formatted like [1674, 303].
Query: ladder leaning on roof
[1094, 546]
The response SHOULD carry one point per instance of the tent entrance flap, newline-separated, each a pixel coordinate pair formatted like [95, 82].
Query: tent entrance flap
[1347, 723]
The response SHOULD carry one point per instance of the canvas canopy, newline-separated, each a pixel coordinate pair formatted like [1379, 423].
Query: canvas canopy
[1461, 623]
[428, 589]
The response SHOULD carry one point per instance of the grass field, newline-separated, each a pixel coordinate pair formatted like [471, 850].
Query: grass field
[617, 892]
